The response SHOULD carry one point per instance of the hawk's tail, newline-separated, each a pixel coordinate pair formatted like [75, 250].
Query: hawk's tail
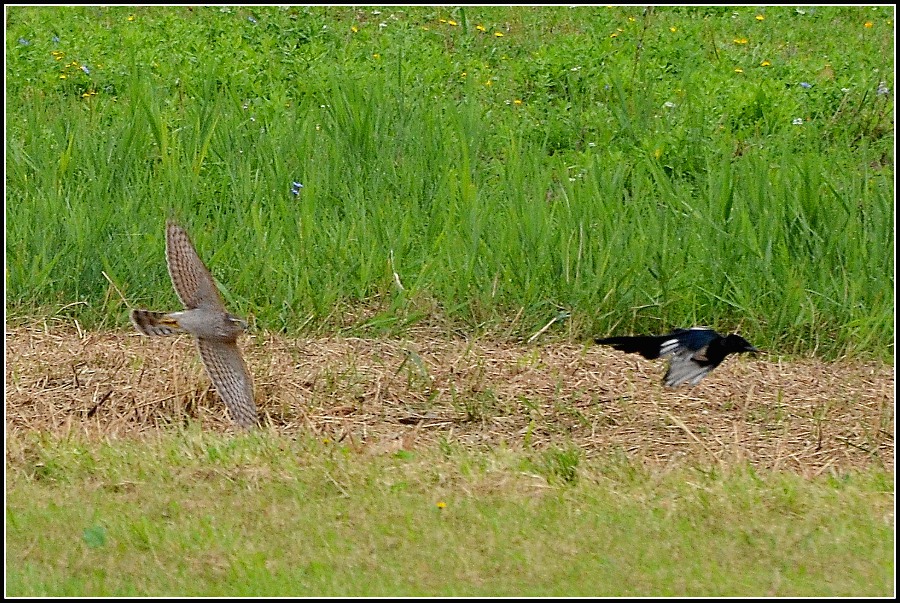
[155, 323]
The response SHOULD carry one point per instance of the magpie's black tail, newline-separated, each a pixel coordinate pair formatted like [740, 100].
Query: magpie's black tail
[645, 345]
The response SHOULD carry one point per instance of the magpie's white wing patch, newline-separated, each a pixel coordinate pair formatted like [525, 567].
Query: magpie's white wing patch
[684, 369]
[672, 347]
[684, 364]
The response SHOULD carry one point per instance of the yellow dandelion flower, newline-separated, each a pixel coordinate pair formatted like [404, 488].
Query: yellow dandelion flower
[464, 74]
[452, 22]
[738, 70]
[489, 83]
[63, 76]
[442, 20]
[131, 17]
[657, 153]
[441, 505]
[517, 102]
[869, 25]
[499, 34]
[632, 19]
[740, 40]
[354, 28]
[376, 55]
[673, 29]
[765, 64]
[481, 28]
[760, 17]
[425, 27]
[614, 35]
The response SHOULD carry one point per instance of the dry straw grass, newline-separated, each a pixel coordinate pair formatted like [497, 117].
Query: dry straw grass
[380, 395]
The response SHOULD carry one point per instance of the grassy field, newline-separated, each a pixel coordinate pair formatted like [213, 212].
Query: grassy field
[634, 170]
[400, 199]
[199, 514]
[429, 466]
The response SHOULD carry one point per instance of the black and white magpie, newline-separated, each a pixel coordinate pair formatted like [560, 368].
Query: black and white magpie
[692, 352]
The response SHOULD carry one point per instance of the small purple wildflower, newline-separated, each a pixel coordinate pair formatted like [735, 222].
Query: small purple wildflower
[24, 42]
[251, 19]
[295, 188]
[805, 85]
[883, 90]
[85, 69]
[55, 39]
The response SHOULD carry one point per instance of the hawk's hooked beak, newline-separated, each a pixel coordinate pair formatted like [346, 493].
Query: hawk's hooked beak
[238, 321]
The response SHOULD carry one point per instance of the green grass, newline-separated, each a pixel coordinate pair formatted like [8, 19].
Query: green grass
[200, 514]
[636, 169]
[620, 169]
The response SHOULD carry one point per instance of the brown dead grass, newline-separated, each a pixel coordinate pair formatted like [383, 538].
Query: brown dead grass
[381, 395]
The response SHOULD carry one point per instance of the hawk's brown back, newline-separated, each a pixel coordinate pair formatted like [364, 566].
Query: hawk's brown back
[192, 281]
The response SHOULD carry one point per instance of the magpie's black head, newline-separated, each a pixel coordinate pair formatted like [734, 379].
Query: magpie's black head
[735, 344]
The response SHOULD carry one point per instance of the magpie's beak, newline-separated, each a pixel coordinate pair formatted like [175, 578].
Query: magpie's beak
[755, 350]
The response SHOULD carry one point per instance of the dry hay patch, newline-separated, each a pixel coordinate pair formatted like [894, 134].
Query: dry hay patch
[381, 395]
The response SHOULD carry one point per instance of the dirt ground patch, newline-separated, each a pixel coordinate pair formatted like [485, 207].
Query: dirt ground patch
[381, 395]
